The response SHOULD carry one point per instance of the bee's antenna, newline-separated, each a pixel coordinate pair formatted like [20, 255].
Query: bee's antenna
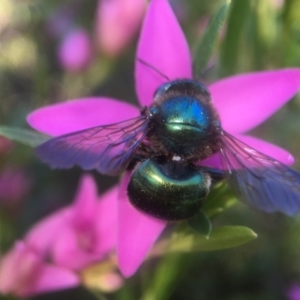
[153, 68]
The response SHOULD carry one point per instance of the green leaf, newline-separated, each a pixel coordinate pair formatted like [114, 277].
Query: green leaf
[238, 16]
[205, 47]
[219, 199]
[201, 224]
[220, 238]
[25, 136]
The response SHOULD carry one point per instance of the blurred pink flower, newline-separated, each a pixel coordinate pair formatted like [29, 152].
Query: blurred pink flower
[75, 50]
[24, 272]
[294, 292]
[243, 102]
[65, 242]
[14, 185]
[277, 3]
[82, 233]
[117, 22]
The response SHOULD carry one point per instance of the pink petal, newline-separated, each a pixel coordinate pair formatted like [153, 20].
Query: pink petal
[70, 116]
[43, 234]
[73, 247]
[106, 223]
[90, 235]
[12, 281]
[24, 273]
[262, 146]
[136, 234]
[54, 278]
[213, 161]
[293, 292]
[73, 250]
[75, 51]
[162, 45]
[85, 204]
[117, 22]
[78, 216]
[81, 233]
[244, 101]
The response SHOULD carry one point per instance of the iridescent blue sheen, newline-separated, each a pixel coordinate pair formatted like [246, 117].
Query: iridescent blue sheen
[185, 111]
[182, 124]
[183, 121]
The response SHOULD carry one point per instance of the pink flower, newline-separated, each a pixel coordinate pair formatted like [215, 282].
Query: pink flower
[82, 233]
[243, 102]
[75, 50]
[23, 272]
[117, 22]
[294, 292]
[65, 242]
[14, 185]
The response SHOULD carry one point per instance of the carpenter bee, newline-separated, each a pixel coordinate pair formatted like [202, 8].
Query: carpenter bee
[165, 146]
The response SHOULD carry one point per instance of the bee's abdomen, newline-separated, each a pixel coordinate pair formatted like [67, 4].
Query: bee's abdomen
[168, 190]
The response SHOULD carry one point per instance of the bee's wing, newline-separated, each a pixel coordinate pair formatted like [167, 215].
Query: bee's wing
[107, 148]
[259, 180]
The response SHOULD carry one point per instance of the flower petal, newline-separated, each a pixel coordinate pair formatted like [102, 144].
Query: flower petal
[117, 22]
[163, 46]
[74, 246]
[106, 223]
[33, 275]
[89, 240]
[10, 281]
[293, 292]
[54, 278]
[75, 51]
[85, 204]
[81, 233]
[136, 234]
[70, 116]
[73, 250]
[246, 100]
[213, 161]
[44, 233]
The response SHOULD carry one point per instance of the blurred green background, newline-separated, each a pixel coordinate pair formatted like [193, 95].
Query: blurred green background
[258, 35]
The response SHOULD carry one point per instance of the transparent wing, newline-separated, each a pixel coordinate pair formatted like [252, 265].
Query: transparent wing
[259, 180]
[107, 148]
